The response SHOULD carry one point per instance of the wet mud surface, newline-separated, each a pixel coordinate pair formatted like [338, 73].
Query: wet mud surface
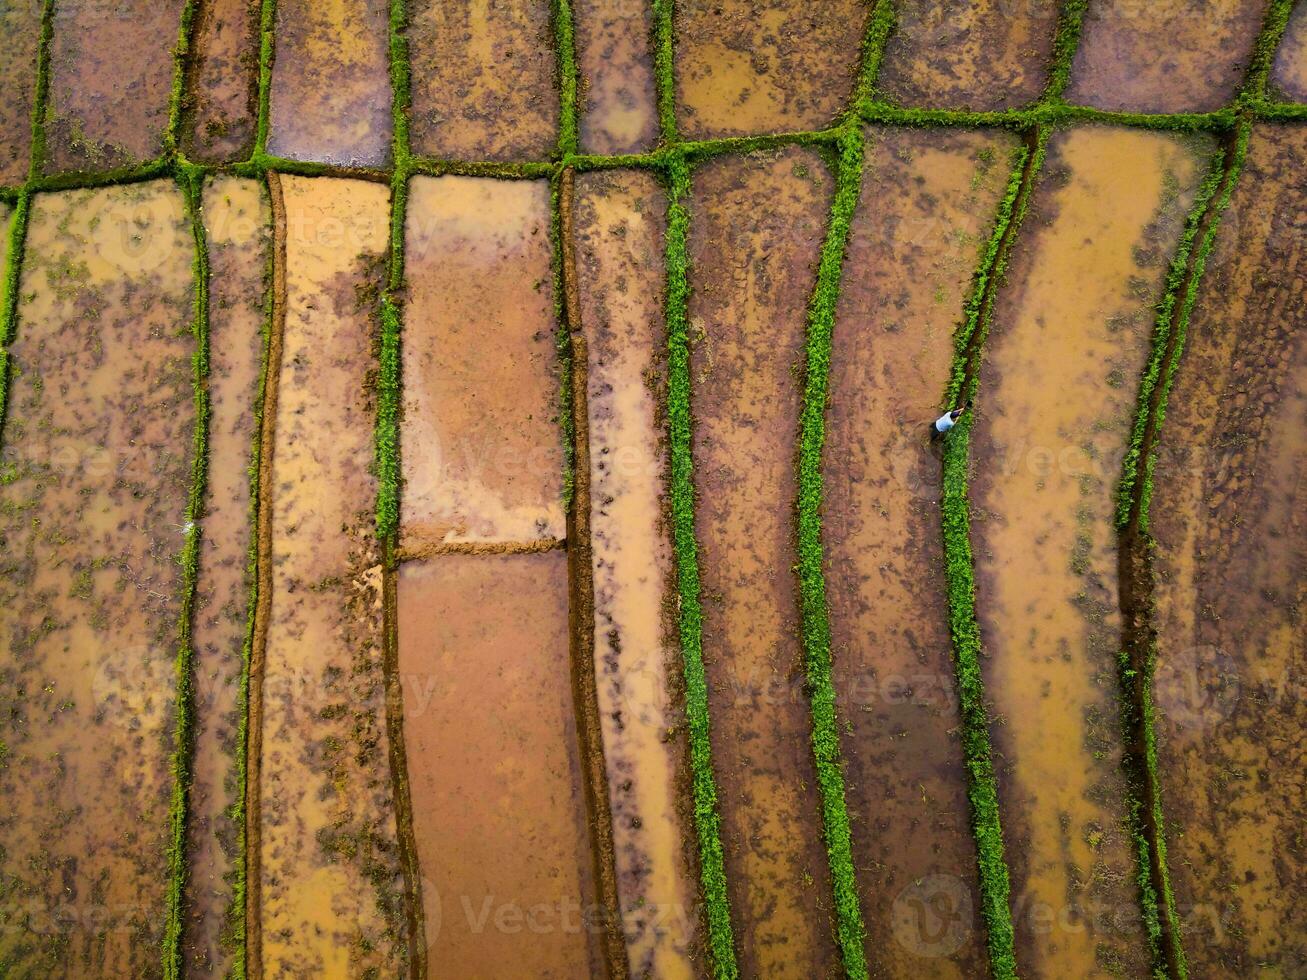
[1230, 570]
[110, 78]
[619, 227]
[329, 863]
[968, 54]
[94, 478]
[927, 208]
[236, 222]
[1289, 76]
[1164, 55]
[485, 81]
[330, 97]
[764, 66]
[482, 447]
[614, 54]
[224, 80]
[490, 730]
[756, 228]
[1070, 335]
[20, 25]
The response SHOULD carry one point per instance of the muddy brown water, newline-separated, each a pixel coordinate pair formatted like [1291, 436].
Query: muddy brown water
[485, 83]
[483, 451]
[94, 478]
[968, 54]
[1289, 76]
[614, 52]
[498, 809]
[224, 80]
[619, 227]
[1071, 332]
[756, 228]
[329, 865]
[1120, 64]
[110, 78]
[927, 208]
[236, 222]
[765, 66]
[1230, 567]
[330, 98]
[20, 24]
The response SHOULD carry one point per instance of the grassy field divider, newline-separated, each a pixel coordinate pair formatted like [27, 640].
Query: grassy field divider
[191, 181]
[959, 565]
[850, 930]
[16, 235]
[664, 65]
[707, 822]
[1253, 95]
[565, 48]
[880, 24]
[1066, 41]
[267, 53]
[177, 96]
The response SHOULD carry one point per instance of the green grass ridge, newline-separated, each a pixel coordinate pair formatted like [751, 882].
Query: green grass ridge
[183, 732]
[664, 65]
[850, 930]
[721, 941]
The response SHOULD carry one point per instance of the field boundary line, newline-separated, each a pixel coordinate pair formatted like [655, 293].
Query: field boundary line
[184, 734]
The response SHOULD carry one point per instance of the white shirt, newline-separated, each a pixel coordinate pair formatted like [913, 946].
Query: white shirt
[944, 422]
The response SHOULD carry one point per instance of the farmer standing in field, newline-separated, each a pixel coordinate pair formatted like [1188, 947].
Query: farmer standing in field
[941, 425]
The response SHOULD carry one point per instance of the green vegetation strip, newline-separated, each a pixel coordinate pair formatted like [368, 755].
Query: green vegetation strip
[959, 567]
[721, 942]
[565, 45]
[1066, 41]
[177, 96]
[664, 65]
[812, 584]
[880, 24]
[267, 51]
[184, 736]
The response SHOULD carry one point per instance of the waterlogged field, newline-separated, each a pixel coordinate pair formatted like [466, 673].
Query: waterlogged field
[468, 504]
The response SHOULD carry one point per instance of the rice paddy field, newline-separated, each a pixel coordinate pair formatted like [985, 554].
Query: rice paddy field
[468, 506]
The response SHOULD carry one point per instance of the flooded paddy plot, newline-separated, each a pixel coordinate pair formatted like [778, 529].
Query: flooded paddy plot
[1164, 55]
[756, 228]
[498, 809]
[1231, 584]
[20, 23]
[111, 72]
[968, 54]
[1070, 335]
[615, 58]
[330, 97]
[236, 222]
[927, 207]
[619, 227]
[329, 864]
[485, 83]
[765, 66]
[223, 82]
[483, 451]
[94, 478]
[1289, 76]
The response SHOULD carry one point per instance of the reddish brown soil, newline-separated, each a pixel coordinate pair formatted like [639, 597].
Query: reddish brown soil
[1289, 79]
[20, 25]
[223, 87]
[756, 228]
[614, 54]
[1230, 567]
[928, 204]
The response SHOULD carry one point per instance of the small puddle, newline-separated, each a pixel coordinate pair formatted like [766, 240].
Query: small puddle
[1231, 563]
[619, 227]
[224, 81]
[968, 54]
[491, 739]
[927, 208]
[1071, 332]
[330, 99]
[236, 221]
[1290, 74]
[20, 24]
[110, 79]
[614, 54]
[756, 228]
[485, 83]
[94, 478]
[482, 447]
[765, 66]
[1199, 67]
[330, 874]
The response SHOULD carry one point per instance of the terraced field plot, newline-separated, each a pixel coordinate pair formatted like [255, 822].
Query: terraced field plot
[470, 502]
